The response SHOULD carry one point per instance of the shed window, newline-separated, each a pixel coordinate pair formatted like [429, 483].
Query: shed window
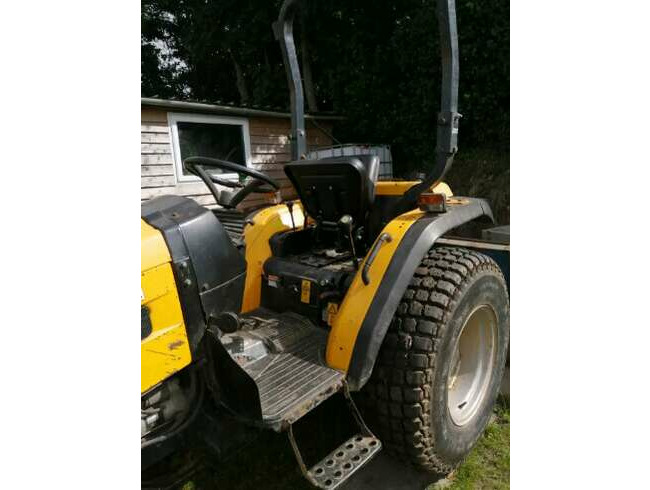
[224, 138]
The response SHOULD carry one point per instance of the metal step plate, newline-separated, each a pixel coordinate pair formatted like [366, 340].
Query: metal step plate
[338, 466]
[285, 355]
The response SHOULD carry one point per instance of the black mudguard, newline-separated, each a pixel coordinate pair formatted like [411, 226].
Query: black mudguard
[416, 243]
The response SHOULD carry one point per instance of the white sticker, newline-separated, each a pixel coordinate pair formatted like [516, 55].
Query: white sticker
[273, 280]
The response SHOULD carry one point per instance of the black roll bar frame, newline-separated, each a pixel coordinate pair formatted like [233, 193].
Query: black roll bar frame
[447, 119]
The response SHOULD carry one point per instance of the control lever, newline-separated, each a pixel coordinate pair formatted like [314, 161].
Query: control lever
[289, 205]
[345, 225]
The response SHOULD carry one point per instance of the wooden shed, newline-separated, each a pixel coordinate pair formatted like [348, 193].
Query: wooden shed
[172, 130]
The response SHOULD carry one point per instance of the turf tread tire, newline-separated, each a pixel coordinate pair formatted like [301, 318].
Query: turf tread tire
[397, 396]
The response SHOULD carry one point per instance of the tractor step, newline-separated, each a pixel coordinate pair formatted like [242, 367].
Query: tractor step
[338, 466]
[274, 367]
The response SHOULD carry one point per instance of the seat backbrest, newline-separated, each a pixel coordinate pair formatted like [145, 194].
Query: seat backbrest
[332, 187]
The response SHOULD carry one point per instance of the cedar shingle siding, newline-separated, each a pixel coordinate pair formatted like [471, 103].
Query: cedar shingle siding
[269, 141]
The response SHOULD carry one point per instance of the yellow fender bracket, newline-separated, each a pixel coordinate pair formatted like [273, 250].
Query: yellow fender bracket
[165, 349]
[352, 311]
[366, 312]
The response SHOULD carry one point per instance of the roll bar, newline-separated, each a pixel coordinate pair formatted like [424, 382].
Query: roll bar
[283, 31]
[448, 117]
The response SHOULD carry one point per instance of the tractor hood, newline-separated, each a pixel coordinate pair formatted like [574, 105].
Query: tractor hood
[208, 269]
[153, 249]
[162, 326]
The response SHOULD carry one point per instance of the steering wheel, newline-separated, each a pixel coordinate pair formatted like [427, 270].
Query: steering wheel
[259, 183]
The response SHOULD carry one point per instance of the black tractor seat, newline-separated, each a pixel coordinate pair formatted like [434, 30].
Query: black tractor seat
[330, 188]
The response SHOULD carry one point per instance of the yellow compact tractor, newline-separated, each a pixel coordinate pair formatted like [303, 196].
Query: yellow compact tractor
[381, 287]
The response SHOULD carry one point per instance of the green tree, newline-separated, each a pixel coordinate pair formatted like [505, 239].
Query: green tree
[376, 62]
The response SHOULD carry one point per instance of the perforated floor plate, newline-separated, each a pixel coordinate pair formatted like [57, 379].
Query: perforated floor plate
[338, 466]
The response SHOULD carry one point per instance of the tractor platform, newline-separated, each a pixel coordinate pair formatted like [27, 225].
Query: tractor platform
[272, 371]
[276, 364]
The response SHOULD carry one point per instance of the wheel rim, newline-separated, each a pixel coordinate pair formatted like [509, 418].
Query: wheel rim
[472, 365]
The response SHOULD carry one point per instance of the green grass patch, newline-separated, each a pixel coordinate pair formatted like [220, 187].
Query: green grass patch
[488, 465]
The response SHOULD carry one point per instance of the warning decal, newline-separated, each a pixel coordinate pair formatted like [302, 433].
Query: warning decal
[305, 291]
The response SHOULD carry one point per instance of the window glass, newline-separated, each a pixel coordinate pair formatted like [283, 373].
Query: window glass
[222, 141]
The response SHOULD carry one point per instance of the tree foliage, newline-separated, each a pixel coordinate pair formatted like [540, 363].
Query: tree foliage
[374, 61]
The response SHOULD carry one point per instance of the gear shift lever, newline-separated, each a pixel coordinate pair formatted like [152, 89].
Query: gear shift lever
[345, 225]
[289, 205]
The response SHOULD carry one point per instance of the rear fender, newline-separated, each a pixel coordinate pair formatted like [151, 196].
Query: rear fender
[360, 326]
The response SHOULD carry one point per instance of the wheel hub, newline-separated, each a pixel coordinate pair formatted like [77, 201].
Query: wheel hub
[472, 364]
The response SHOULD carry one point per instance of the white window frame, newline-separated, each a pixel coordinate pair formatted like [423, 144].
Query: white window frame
[175, 117]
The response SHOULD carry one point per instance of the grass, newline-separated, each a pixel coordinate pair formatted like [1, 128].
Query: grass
[488, 465]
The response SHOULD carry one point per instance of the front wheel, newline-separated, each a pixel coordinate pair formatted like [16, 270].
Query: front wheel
[439, 369]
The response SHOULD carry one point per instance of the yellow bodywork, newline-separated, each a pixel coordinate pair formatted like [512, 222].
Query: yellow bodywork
[353, 309]
[347, 321]
[266, 223]
[399, 187]
[166, 349]
[357, 301]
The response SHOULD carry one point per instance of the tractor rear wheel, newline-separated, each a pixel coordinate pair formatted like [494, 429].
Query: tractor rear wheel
[439, 369]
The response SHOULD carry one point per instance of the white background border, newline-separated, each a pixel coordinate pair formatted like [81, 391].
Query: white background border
[70, 244]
